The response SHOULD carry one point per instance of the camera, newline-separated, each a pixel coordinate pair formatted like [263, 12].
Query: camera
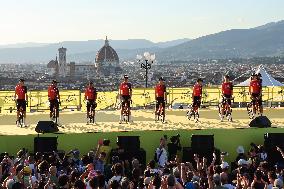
[224, 153]
[175, 139]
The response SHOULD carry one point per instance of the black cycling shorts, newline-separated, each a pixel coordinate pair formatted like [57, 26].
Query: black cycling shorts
[91, 103]
[160, 100]
[125, 100]
[196, 101]
[21, 104]
[256, 97]
[228, 98]
[53, 103]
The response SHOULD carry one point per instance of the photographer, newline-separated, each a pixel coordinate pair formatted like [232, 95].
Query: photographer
[174, 146]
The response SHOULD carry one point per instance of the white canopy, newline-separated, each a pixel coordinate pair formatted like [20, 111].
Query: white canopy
[267, 80]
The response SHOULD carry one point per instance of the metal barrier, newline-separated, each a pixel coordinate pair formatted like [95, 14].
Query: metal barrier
[74, 100]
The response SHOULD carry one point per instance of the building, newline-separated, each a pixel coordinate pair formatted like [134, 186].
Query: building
[107, 61]
[106, 64]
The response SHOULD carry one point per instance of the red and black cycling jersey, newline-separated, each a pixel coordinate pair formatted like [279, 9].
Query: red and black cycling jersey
[91, 93]
[227, 88]
[160, 90]
[255, 87]
[53, 92]
[197, 90]
[125, 89]
[21, 92]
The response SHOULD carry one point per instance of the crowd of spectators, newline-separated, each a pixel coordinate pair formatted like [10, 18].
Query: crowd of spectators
[98, 169]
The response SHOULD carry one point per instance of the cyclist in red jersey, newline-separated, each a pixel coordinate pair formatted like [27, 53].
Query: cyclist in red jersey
[227, 93]
[90, 97]
[125, 93]
[255, 90]
[21, 98]
[197, 93]
[160, 94]
[54, 98]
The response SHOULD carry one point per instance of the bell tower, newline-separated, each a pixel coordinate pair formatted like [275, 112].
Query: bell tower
[62, 62]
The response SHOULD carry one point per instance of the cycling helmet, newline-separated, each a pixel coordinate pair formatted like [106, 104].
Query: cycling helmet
[54, 81]
[21, 80]
[125, 76]
[227, 76]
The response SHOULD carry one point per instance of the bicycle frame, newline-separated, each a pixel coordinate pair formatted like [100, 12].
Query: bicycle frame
[194, 111]
[253, 107]
[160, 112]
[55, 113]
[91, 114]
[125, 111]
[21, 117]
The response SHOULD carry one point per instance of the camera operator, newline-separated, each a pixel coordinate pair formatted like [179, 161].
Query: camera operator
[174, 146]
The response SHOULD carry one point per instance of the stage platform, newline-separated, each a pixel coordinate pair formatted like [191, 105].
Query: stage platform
[76, 134]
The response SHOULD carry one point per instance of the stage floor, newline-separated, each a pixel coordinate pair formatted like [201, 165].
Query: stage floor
[107, 121]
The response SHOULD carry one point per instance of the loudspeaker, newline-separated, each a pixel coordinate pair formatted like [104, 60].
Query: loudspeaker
[202, 142]
[46, 127]
[260, 122]
[128, 143]
[203, 145]
[271, 140]
[45, 144]
[187, 154]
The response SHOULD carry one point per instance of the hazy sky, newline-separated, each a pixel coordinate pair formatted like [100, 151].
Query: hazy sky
[156, 20]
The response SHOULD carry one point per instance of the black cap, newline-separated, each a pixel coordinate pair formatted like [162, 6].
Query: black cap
[91, 82]
[259, 75]
[125, 76]
[227, 76]
[54, 81]
[161, 79]
[21, 80]
[253, 74]
[199, 79]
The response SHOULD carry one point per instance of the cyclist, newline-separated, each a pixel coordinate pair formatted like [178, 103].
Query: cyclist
[196, 95]
[255, 90]
[54, 99]
[125, 93]
[227, 93]
[90, 97]
[160, 95]
[21, 98]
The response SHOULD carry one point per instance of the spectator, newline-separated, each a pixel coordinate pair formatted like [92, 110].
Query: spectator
[241, 153]
[217, 182]
[225, 181]
[161, 156]
[63, 181]
[106, 149]
[117, 170]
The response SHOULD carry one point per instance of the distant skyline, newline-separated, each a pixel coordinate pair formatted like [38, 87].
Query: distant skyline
[49, 21]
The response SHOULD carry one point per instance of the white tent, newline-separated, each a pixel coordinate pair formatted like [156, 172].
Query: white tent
[267, 80]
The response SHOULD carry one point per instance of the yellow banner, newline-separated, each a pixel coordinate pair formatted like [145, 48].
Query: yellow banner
[74, 99]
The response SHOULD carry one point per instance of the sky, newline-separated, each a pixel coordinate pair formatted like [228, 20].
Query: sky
[49, 21]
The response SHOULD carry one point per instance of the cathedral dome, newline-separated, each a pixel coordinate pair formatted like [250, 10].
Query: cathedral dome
[107, 54]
